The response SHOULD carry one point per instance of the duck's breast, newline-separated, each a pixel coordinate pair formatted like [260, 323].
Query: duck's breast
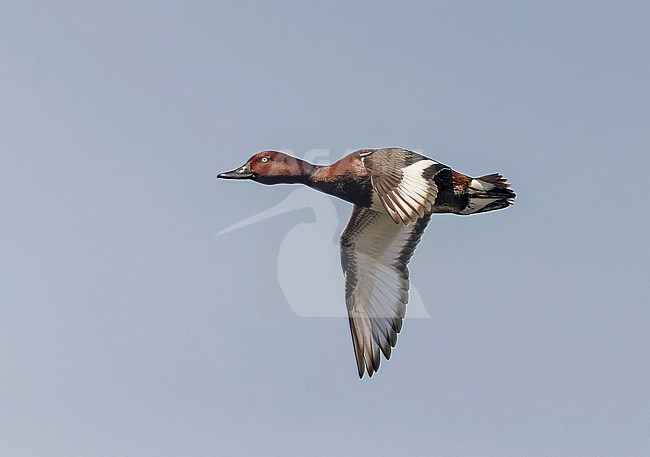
[346, 179]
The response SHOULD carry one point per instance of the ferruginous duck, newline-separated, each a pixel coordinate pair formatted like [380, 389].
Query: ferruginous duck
[394, 192]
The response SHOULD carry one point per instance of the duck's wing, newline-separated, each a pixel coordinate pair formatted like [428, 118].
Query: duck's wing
[403, 180]
[375, 253]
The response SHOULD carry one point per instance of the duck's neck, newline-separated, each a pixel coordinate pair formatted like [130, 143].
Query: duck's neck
[307, 173]
[292, 171]
[303, 173]
[310, 175]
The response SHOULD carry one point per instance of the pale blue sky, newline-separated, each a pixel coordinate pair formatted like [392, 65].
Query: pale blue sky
[128, 329]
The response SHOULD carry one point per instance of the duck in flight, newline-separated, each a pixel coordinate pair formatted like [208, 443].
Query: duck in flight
[394, 192]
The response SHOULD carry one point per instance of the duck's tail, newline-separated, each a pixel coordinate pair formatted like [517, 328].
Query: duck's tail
[488, 193]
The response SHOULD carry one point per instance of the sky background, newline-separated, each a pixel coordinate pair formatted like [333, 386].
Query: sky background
[128, 328]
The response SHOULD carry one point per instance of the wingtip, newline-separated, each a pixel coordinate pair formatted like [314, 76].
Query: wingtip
[370, 372]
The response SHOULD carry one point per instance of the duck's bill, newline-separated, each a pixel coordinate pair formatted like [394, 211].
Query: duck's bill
[243, 172]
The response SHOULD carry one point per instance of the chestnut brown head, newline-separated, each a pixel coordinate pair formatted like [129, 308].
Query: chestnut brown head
[271, 167]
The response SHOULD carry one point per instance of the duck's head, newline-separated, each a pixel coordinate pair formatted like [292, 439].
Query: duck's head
[271, 167]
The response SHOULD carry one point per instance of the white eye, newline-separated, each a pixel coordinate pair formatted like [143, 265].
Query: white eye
[265, 159]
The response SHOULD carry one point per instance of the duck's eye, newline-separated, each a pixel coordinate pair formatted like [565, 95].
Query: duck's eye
[264, 159]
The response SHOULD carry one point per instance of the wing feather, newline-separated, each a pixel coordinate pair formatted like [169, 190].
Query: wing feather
[403, 180]
[375, 253]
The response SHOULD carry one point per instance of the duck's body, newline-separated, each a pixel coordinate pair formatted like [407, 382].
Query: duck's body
[394, 191]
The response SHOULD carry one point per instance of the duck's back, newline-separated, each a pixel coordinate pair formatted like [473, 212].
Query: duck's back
[408, 185]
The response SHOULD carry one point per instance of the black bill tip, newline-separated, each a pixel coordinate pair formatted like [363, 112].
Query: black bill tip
[243, 172]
